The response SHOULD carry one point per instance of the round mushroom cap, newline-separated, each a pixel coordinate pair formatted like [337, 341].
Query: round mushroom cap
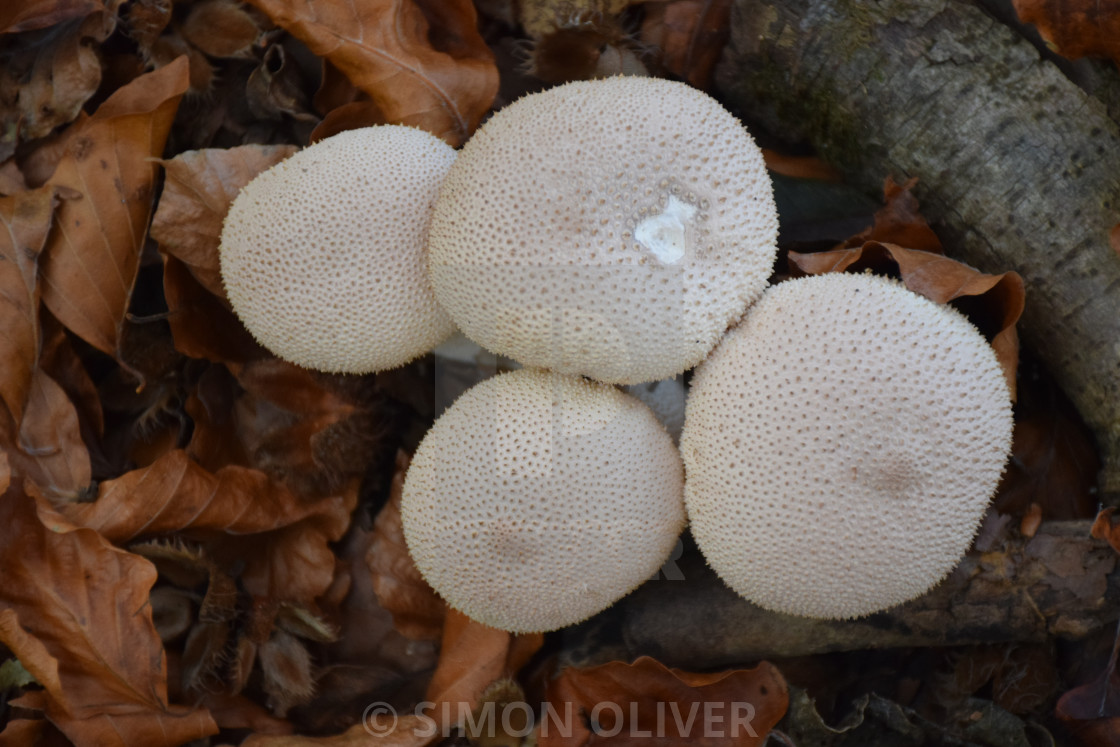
[324, 255]
[539, 499]
[841, 446]
[609, 228]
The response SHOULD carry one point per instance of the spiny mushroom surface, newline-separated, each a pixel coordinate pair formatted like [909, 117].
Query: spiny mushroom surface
[539, 499]
[841, 446]
[610, 228]
[324, 256]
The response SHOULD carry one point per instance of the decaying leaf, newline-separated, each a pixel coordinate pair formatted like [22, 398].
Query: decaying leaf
[417, 610]
[48, 448]
[472, 657]
[25, 221]
[219, 28]
[92, 258]
[1075, 28]
[385, 48]
[993, 303]
[281, 542]
[75, 611]
[689, 35]
[39, 14]
[47, 75]
[199, 187]
[621, 703]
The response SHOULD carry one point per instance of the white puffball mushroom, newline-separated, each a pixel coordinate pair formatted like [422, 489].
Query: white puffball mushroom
[324, 255]
[841, 446]
[539, 499]
[610, 228]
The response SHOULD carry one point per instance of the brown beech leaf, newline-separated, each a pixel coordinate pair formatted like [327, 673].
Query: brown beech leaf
[219, 28]
[439, 78]
[75, 612]
[202, 324]
[404, 731]
[48, 75]
[48, 447]
[417, 610]
[648, 703]
[39, 14]
[899, 221]
[245, 518]
[91, 260]
[691, 35]
[472, 656]
[993, 303]
[199, 187]
[1075, 28]
[1104, 528]
[25, 221]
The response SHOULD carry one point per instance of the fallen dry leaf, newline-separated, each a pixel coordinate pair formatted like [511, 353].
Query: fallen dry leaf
[993, 303]
[75, 611]
[248, 521]
[438, 78]
[202, 324]
[39, 14]
[472, 656]
[417, 610]
[899, 221]
[648, 703]
[48, 448]
[26, 220]
[404, 731]
[1075, 28]
[220, 28]
[690, 35]
[198, 189]
[48, 75]
[800, 167]
[91, 261]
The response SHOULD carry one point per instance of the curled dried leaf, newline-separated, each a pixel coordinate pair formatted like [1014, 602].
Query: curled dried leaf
[417, 610]
[690, 36]
[387, 50]
[91, 261]
[1075, 28]
[737, 707]
[77, 616]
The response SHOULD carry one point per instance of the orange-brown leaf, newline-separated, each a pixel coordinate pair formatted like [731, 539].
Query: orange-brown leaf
[25, 221]
[737, 707]
[899, 221]
[75, 612]
[993, 303]
[246, 518]
[1075, 28]
[48, 447]
[800, 167]
[202, 324]
[472, 656]
[38, 14]
[197, 192]
[691, 35]
[91, 260]
[388, 49]
[417, 610]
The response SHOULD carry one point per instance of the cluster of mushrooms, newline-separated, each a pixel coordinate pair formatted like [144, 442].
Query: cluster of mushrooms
[842, 435]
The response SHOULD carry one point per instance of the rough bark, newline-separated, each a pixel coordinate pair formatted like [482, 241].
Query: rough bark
[1058, 583]
[1019, 168]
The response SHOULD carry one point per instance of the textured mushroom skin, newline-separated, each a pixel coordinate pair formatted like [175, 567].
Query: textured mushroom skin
[538, 500]
[610, 228]
[841, 446]
[324, 256]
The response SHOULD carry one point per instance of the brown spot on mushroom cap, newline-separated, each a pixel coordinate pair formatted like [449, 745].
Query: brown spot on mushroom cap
[324, 255]
[610, 228]
[539, 499]
[841, 446]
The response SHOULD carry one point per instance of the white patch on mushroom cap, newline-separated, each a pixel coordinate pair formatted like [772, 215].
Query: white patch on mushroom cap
[539, 499]
[610, 228]
[664, 233]
[324, 256]
[841, 446]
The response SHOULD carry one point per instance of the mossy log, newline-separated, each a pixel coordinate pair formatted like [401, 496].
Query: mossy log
[1059, 583]
[1019, 169]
